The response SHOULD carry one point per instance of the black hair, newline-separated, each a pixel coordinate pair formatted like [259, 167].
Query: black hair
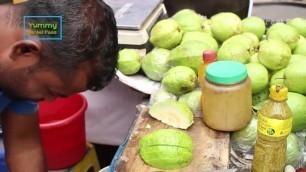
[89, 34]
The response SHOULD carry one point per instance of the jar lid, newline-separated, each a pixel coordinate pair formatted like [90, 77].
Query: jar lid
[226, 72]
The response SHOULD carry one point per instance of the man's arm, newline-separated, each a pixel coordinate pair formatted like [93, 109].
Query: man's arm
[22, 143]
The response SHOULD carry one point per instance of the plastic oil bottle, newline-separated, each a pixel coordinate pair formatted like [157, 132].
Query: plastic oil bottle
[209, 56]
[274, 125]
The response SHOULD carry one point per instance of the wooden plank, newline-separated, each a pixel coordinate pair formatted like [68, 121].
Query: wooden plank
[211, 148]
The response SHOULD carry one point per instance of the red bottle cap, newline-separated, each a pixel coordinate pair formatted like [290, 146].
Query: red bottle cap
[209, 56]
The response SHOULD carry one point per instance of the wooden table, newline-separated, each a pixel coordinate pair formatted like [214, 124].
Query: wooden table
[211, 148]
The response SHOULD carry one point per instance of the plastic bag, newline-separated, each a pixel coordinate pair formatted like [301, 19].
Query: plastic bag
[161, 95]
[243, 141]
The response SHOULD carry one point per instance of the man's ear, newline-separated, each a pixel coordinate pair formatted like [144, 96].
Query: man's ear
[25, 52]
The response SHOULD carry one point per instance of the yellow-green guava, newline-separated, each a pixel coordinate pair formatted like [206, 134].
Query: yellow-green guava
[278, 78]
[295, 75]
[192, 100]
[201, 36]
[297, 104]
[166, 34]
[254, 25]
[261, 96]
[249, 40]
[259, 77]
[129, 61]
[234, 51]
[299, 24]
[297, 58]
[300, 48]
[225, 25]
[274, 54]
[206, 26]
[179, 80]
[189, 54]
[156, 63]
[285, 33]
[254, 59]
[188, 20]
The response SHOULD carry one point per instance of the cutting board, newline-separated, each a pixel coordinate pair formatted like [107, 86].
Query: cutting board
[211, 148]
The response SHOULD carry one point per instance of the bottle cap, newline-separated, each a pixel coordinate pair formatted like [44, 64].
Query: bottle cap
[226, 72]
[209, 56]
[278, 92]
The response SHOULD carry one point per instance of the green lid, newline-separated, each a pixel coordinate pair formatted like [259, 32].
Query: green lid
[226, 72]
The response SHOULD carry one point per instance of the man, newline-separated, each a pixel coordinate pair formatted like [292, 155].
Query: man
[35, 70]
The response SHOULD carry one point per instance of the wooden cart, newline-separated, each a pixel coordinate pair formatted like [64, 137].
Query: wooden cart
[211, 148]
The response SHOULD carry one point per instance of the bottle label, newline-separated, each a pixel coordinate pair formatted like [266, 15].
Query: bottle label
[274, 127]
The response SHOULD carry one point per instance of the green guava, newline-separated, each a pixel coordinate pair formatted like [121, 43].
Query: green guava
[283, 32]
[192, 100]
[172, 113]
[294, 153]
[260, 97]
[225, 25]
[206, 26]
[179, 80]
[300, 48]
[262, 42]
[156, 63]
[297, 58]
[129, 61]
[161, 95]
[301, 39]
[297, 104]
[235, 51]
[259, 77]
[189, 54]
[188, 20]
[254, 25]
[299, 24]
[295, 75]
[166, 34]
[274, 54]
[166, 149]
[201, 36]
[278, 77]
[249, 40]
[255, 43]
[244, 140]
[254, 59]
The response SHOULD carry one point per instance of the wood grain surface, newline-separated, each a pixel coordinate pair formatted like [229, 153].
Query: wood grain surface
[211, 148]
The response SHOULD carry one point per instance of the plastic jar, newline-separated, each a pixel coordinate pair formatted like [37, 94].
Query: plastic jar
[227, 96]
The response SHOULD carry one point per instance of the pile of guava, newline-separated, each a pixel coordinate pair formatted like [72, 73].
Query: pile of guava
[272, 55]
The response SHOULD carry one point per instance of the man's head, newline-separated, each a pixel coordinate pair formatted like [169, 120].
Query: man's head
[85, 58]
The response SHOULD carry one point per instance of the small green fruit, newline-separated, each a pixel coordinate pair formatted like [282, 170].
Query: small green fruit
[259, 77]
[254, 25]
[166, 34]
[225, 25]
[179, 80]
[129, 61]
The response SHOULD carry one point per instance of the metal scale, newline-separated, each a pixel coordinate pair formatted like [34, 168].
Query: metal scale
[135, 19]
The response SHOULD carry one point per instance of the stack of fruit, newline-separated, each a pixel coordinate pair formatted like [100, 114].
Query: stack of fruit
[272, 55]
